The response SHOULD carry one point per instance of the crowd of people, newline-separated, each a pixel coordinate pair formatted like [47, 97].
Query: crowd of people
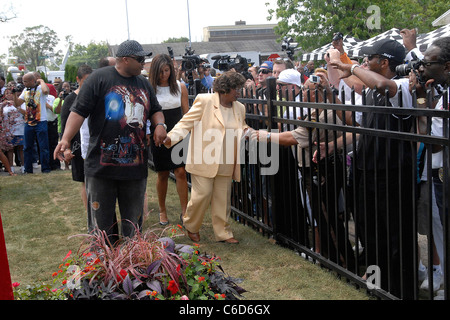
[30, 122]
[105, 128]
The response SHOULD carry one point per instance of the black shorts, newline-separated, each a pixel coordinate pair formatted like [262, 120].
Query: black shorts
[77, 168]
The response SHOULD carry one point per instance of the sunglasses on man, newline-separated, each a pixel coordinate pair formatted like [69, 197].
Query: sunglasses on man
[139, 59]
[264, 71]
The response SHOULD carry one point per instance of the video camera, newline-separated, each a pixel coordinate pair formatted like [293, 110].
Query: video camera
[289, 46]
[238, 63]
[190, 61]
[170, 50]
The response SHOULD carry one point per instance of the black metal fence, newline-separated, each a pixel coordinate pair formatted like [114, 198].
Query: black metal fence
[368, 209]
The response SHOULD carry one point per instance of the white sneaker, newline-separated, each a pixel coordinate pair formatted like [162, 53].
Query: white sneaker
[423, 272]
[438, 280]
[35, 165]
[439, 295]
[22, 169]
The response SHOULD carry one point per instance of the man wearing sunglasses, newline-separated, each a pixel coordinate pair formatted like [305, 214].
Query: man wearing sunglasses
[434, 73]
[386, 231]
[118, 102]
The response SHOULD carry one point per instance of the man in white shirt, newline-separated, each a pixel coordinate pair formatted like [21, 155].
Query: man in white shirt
[35, 99]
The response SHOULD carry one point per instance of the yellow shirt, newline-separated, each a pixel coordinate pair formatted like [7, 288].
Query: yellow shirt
[226, 166]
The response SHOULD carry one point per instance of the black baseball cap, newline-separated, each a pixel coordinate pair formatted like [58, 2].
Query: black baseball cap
[387, 48]
[131, 48]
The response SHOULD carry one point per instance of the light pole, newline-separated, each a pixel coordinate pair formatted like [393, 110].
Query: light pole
[189, 24]
[128, 26]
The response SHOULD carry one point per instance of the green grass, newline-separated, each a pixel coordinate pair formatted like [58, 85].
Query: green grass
[41, 212]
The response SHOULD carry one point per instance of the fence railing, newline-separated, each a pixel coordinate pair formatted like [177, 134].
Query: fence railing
[368, 210]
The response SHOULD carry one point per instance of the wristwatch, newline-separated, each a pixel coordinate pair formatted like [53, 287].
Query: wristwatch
[268, 136]
[162, 124]
[353, 68]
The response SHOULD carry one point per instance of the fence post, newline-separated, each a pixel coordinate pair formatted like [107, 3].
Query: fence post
[6, 292]
[271, 95]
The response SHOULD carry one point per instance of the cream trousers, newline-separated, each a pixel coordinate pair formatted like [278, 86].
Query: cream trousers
[210, 191]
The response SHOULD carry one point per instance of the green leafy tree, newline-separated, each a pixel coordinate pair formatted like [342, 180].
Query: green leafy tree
[312, 22]
[70, 73]
[9, 77]
[33, 44]
[175, 40]
[90, 54]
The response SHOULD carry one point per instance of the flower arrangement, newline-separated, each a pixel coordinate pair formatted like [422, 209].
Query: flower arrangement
[146, 267]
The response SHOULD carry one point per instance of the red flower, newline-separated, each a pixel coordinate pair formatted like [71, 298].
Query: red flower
[68, 255]
[178, 268]
[173, 287]
[122, 275]
[15, 284]
[200, 279]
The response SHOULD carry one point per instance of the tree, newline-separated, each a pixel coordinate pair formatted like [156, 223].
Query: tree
[312, 22]
[175, 40]
[90, 54]
[33, 44]
[7, 14]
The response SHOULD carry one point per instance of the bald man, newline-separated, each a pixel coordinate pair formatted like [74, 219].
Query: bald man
[35, 99]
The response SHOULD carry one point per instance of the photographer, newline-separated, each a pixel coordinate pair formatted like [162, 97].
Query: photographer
[377, 160]
[338, 44]
[35, 99]
[63, 91]
[433, 73]
[194, 68]
[204, 74]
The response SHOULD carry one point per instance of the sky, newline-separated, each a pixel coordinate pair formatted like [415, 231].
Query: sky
[150, 21]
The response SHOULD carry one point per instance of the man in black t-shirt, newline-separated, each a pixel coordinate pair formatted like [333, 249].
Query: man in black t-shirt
[384, 171]
[118, 102]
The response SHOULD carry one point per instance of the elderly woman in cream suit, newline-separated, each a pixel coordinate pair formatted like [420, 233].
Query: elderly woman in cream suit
[216, 123]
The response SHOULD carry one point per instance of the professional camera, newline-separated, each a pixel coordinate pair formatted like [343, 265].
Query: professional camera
[289, 46]
[31, 104]
[18, 88]
[222, 62]
[170, 50]
[190, 61]
[404, 70]
[337, 36]
[238, 63]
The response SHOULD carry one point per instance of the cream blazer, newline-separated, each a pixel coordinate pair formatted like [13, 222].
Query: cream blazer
[204, 115]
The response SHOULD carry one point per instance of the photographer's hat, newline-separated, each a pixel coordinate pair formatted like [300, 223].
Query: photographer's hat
[290, 76]
[131, 48]
[268, 65]
[387, 48]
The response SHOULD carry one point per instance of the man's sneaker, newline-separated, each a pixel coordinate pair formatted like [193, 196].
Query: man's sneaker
[35, 165]
[439, 295]
[438, 279]
[423, 272]
[22, 169]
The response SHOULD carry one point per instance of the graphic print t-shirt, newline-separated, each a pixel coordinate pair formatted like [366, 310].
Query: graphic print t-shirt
[118, 108]
[35, 102]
